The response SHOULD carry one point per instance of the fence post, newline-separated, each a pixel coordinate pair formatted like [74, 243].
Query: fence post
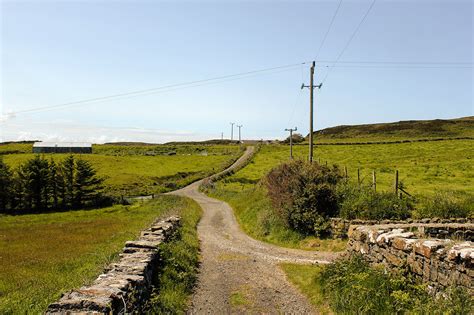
[374, 181]
[396, 183]
[358, 177]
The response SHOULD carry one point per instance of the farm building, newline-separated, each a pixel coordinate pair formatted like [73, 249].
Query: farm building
[62, 147]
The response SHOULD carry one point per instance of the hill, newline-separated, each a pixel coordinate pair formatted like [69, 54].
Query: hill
[410, 129]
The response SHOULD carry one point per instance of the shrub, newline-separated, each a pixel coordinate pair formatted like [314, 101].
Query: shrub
[297, 138]
[351, 286]
[304, 195]
[446, 204]
[364, 203]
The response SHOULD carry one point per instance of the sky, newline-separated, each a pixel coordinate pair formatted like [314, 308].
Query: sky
[57, 52]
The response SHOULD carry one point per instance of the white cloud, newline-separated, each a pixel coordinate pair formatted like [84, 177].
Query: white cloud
[58, 131]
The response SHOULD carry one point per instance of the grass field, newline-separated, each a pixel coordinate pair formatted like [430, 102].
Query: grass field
[134, 170]
[43, 255]
[424, 167]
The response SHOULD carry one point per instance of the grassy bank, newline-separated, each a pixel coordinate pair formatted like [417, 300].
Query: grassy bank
[43, 255]
[350, 286]
[178, 272]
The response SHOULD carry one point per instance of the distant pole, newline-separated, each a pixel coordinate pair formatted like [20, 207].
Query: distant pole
[311, 88]
[239, 126]
[232, 131]
[358, 177]
[222, 136]
[291, 140]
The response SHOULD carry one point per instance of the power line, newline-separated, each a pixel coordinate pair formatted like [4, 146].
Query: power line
[399, 66]
[328, 30]
[351, 38]
[398, 62]
[161, 88]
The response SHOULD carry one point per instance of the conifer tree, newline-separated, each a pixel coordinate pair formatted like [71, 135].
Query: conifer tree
[6, 186]
[87, 185]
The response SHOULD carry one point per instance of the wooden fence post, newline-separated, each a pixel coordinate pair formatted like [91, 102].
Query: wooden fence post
[374, 181]
[396, 183]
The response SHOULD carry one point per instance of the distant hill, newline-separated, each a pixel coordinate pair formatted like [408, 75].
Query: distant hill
[410, 129]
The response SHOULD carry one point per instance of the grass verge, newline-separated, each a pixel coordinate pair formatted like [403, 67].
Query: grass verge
[43, 255]
[351, 286]
[179, 269]
[255, 216]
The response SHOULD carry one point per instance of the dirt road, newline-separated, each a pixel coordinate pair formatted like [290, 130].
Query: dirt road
[239, 274]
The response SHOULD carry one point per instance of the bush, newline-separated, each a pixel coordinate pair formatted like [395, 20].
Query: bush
[297, 138]
[445, 205]
[364, 203]
[304, 195]
[351, 286]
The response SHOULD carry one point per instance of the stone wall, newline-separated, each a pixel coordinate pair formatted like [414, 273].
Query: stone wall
[438, 227]
[126, 284]
[440, 262]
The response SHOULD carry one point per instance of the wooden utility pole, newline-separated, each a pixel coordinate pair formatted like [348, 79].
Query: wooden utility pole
[232, 131]
[311, 87]
[239, 126]
[291, 140]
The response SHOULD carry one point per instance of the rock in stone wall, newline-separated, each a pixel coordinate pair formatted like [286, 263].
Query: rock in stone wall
[126, 284]
[437, 228]
[438, 262]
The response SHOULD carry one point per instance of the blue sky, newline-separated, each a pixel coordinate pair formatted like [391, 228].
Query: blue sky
[55, 52]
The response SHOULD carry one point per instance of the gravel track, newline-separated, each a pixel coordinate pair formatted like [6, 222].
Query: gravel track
[239, 274]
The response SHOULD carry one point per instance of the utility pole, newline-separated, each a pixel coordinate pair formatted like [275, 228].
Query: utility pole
[222, 136]
[239, 126]
[232, 131]
[311, 87]
[291, 140]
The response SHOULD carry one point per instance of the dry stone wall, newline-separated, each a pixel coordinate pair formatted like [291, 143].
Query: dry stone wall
[126, 284]
[432, 227]
[440, 262]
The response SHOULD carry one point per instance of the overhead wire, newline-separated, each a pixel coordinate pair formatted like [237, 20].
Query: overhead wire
[328, 30]
[350, 39]
[170, 87]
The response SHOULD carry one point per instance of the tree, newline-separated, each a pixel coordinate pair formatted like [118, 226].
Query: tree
[6, 185]
[68, 171]
[36, 180]
[56, 183]
[87, 185]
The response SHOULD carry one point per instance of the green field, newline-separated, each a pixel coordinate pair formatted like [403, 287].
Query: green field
[424, 168]
[44, 255]
[143, 170]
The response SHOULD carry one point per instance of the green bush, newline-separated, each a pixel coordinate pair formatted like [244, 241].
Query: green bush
[351, 286]
[364, 203]
[446, 204]
[304, 195]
